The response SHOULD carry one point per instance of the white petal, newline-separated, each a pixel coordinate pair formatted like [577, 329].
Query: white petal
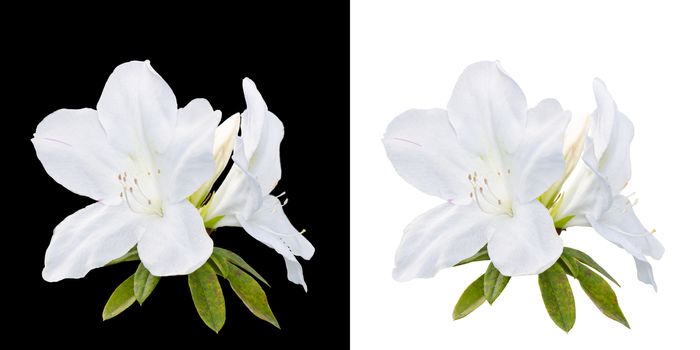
[526, 243]
[615, 164]
[487, 109]
[90, 238]
[620, 225]
[73, 148]
[270, 226]
[224, 141]
[137, 109]
[644, 272]
[423, 148]
[262, 133]
[239, 195]
[188, 161]
[265, 162]
[254, 117]
[539, 161]
[440, 238]
[177, 243]
[603, 117]
[295, 273]
[612, 133]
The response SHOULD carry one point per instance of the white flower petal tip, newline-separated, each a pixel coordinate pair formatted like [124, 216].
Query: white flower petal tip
[527, 243]
[177, 243]
[487, 109]
[270, 226]
[645, 273]
[424, 150]
[88, 239]
[440, 238]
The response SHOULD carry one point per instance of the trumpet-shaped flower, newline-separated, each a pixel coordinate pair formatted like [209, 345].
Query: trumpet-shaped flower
[244, 199]
[139, 157]
[591, 196]
[489, 158]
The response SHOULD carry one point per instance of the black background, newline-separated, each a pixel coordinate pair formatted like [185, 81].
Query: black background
[298, 57]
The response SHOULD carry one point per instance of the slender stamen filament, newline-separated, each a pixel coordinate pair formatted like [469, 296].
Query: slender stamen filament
[137, 200]
[140, 191]
[491, 192]
[480, 191]
[485, 197]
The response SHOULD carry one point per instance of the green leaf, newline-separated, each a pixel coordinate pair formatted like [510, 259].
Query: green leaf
[601, 294]
[570, 264]
[557, 297]
[481, 255]
[251, 293]
[584, 258]
[220, 265]
[494, 283]
[207, 297]
[120, 300]
[144, 283]
[471, 298]
[131, 255]
[238, 261]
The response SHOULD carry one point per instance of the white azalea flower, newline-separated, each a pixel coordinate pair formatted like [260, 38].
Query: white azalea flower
[490, 158]
[244, 199]
[139, 157]
[592, 195]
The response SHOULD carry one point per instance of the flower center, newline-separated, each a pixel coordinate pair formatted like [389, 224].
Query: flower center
[490, 197]
[140, 191]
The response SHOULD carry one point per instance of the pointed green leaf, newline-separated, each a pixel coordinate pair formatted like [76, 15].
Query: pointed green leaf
[251, 293]
[494, 283]
[601, 294]
[207, 297]
[120, 300]
[557, 297]
[471, 298]
[219, 264]
[131, 255]
[569, 264]
[481, 255]
[144, 283]
[238, 261]
[584, 258]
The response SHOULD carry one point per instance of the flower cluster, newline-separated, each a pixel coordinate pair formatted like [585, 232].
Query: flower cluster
[151, 168]
[513, 179]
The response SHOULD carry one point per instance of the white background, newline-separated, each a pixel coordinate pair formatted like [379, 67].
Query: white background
[409, 55]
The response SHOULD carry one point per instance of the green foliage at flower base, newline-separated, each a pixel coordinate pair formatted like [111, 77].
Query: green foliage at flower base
[554, 286]
[205, 288]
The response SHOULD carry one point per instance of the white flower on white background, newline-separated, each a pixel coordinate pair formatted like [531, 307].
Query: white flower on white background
[139, 157]
[591, 196]
[489, 157]
[244, 198]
